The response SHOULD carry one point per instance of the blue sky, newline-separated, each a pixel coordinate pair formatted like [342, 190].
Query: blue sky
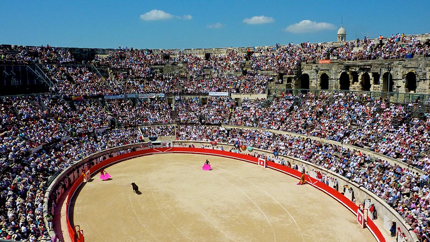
[171, 24]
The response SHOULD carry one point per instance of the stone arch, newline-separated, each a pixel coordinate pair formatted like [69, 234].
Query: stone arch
[344, 82]
[411, 82]
[354, 76]
[385, 78]
[280, 78]
[365, 82]
[304, 81]
[324, 81]
[289, 84]
[376, 78]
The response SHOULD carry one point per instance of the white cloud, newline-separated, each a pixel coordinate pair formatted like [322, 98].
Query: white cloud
[215, 26]
[156, 14]
[187, 17]
[307, 26]
[259, 20]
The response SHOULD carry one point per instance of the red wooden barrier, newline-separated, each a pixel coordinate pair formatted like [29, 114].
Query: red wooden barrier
[333, 193]
[311, 181]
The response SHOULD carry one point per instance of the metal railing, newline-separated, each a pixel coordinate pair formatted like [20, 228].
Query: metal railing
[94, 69]
[42, 75]
[393, 97]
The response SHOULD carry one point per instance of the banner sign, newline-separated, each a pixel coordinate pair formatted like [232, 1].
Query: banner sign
[114, 96]
[67, 137]
[218, 94]
[324, 61]
[79, 98]
[36, 149]
[100, 131]
[150, 95]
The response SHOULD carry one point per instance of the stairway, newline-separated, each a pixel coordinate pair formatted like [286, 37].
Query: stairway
[174, 115]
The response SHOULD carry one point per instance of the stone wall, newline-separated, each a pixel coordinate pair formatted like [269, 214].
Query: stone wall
[407, 75]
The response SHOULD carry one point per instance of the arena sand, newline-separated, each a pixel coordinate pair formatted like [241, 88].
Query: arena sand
[236, 201]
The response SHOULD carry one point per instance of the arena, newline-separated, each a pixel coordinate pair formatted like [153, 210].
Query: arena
[352, 116]
[236, 201]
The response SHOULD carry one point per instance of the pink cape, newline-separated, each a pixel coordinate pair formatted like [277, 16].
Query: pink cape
[207, 167]
[105, 176]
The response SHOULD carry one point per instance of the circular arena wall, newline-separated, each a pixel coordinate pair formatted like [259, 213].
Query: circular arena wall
[96, 161]
[179, 201]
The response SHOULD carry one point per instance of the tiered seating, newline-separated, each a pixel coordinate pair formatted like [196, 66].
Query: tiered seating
[43, 134]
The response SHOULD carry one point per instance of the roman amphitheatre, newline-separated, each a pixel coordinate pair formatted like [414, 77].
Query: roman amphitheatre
[352, 116]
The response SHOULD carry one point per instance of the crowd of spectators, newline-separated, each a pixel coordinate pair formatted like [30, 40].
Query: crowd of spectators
[125, 58]
[158, 130]
[233, 84]
[344, 118]
[41, 135]
[201, 133]
[13, 54]
[401, 188]
[354, 119]
[156, 83]
[217, 110]
[131, 113]
[248, 113]
[85, 116]
[36, 127]
[132, 70]
[79, 81]
[24, 181]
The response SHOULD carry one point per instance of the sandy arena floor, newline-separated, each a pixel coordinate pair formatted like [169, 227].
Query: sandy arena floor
[236, 201]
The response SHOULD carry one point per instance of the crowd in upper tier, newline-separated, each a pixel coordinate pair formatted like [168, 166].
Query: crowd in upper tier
[279, 58]
[133, 70]
[34, 55]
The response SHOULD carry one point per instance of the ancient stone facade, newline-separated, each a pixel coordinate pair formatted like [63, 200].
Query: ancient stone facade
[403, 76]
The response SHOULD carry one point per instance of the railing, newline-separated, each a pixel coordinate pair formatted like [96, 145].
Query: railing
[394, 97]
[94, 69]
[41, 75]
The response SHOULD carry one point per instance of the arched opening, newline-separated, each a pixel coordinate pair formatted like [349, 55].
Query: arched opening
[411, 82]
[354, 75]
[289, 84]
[376, 77]
[385, 87]
[344, 81]
[324, 81]
[280, 79]
[365, 82]
[304, 81]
